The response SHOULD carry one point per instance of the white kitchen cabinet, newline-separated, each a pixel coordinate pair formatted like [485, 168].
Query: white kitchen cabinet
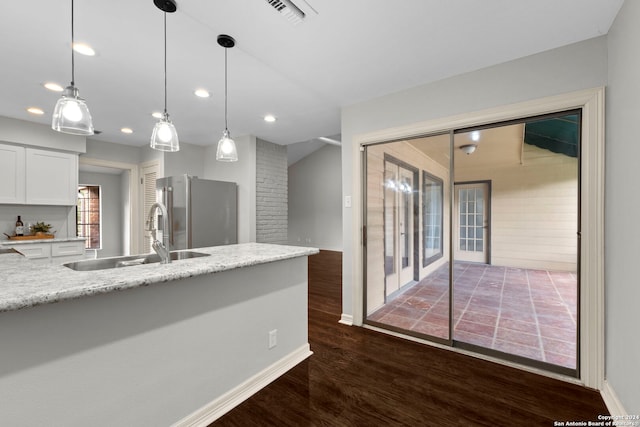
[12, 174]
[51, 252]
[51, 177]
[35, 250]
[37, 177]
[67, 252]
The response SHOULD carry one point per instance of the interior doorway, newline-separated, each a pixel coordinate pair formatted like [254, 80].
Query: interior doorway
[131, 221]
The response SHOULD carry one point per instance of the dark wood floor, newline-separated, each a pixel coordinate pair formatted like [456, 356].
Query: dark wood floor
[358, 377]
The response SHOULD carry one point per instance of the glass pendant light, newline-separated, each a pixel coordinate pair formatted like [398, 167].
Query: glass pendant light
[71, 114]
[226, 146]
[165, 136]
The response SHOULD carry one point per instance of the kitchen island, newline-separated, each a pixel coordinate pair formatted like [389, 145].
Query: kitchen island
[153, 344]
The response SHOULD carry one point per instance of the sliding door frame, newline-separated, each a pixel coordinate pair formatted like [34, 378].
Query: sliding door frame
[591, 103]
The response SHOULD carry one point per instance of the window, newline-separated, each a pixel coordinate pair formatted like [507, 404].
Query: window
[431, 218]
[88, 215]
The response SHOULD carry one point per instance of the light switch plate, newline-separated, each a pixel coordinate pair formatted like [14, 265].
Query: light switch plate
[273, 338]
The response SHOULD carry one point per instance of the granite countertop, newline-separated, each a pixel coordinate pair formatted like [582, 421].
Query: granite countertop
[24, 283]
[32, 241]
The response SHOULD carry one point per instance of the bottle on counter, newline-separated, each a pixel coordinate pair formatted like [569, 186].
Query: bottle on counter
[19, 227]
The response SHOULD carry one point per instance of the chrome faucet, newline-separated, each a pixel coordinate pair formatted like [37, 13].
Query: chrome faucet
[162, 249]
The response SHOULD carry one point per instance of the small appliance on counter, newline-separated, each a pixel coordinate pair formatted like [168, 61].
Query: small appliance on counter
[202, 212]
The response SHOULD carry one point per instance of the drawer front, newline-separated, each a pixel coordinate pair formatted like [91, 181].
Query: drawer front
[33, 251]
[67, 249]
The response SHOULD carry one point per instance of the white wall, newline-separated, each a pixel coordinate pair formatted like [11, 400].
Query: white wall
[621, 249]
[242, 172]
[62, 218]
[315, 193]
[189, 160]
[112, 220]
[148, 155]
[570, 68]
[27, 133]
[113, 152]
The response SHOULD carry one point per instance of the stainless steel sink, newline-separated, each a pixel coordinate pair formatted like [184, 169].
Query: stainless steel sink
[127, 261]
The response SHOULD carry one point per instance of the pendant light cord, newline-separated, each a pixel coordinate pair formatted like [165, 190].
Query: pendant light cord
[72, 55]
[165, 63]
[225, 89]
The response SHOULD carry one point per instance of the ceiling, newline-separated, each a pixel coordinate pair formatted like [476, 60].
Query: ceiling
[496, 146]
[342, 53]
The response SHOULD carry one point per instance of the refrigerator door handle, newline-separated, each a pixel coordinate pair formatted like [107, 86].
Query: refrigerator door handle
[187, 212]
[169, 198]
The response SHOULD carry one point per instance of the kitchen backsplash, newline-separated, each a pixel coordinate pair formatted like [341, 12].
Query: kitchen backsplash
[62, 218]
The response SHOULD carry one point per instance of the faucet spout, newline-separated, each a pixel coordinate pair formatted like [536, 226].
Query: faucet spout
[161, 248]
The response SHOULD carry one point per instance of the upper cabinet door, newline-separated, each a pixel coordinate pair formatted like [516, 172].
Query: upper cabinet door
[11, 174]
[52, 177]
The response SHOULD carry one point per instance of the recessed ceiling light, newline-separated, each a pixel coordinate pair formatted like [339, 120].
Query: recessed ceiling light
[55, 87]
[157, 114]
[126, 130]
[475, 136]
[84, 49]
[202, 93]
[35, 110]
[270, 118]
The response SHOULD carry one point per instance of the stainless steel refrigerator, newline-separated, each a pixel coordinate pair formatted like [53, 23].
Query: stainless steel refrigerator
[201, 212]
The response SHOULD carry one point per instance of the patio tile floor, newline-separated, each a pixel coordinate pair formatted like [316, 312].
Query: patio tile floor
[525, 312]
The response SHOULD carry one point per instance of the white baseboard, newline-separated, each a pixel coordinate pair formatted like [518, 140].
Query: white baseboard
[223, 404]
[611, 400]
[346, 319]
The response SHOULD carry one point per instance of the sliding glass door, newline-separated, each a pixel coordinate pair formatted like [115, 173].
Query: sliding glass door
[407, 239]
[472, 239]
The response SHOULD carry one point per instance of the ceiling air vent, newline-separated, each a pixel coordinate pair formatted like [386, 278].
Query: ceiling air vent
[288, 10]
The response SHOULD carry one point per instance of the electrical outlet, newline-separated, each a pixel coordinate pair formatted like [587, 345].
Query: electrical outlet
[273, 338]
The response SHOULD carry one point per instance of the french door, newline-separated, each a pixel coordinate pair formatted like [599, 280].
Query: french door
[471, 222]
[399, 189]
